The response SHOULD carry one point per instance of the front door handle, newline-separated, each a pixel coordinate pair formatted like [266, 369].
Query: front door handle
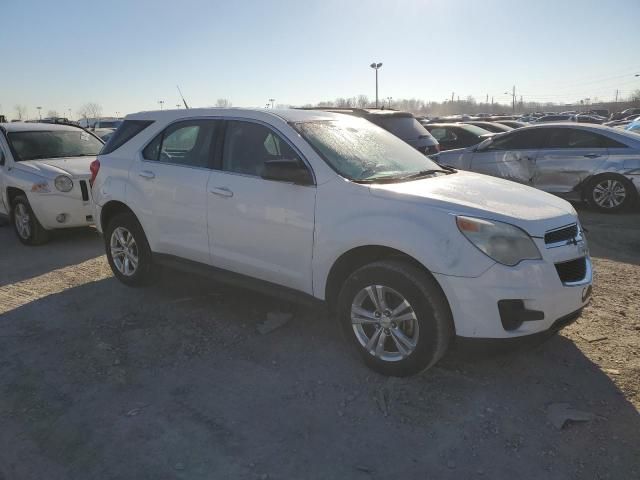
[592, 155]
[149, 175]
[221, 191]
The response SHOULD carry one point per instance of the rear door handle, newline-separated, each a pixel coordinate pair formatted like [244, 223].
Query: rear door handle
[221, 191]
[592, 155]
[147, 174]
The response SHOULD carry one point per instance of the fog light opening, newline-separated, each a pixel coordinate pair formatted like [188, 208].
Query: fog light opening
[61, 218]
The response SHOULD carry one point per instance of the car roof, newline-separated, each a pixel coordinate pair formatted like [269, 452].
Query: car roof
[288, 115]
[33, 127]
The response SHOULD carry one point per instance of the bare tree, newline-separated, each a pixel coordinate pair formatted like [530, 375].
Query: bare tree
[90, 110]
[52, 114]
[223, 103]
[21, 112]
[362, 101]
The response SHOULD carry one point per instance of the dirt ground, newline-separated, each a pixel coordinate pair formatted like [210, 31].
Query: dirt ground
[173, 381]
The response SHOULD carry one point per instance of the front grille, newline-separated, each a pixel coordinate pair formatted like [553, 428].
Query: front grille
[573, 270]
[84, 190]
[562, 234]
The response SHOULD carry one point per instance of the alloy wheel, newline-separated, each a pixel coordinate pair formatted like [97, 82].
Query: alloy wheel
[22, 221]
[609, 193]
[384, 323]
[124, 251]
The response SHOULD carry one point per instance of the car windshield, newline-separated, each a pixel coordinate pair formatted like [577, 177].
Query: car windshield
[52, 144]
[361, 151]
[114, 124]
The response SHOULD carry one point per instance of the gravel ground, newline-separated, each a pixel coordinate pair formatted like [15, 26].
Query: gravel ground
[174, 381]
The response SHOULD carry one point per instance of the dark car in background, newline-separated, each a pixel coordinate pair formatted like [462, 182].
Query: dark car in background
[457, 135]
[402, 124]
[511, 123]
[490, 126]
[624, 114]
[553, 118]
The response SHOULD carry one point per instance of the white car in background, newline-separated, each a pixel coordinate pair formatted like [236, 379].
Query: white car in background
[332, 207]
[44, 177]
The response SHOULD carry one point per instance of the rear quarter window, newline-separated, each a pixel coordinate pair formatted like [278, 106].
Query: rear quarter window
[125, 132]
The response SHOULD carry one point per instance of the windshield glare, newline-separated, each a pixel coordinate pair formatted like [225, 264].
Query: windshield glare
[52, 144]
[359, 150]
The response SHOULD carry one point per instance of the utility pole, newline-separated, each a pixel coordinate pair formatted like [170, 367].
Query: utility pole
[376, 67]
[272, 100]
[161, 102]
[514, 99]
[452, 93]
[487, 100]
[39, 112]
[389, 100]
[616, 95]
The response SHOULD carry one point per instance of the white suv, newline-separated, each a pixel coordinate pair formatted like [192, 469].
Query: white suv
[408, 254]
[44, 177]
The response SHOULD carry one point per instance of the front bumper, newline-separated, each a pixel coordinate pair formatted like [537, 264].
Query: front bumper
[474, 301]
[74, 205]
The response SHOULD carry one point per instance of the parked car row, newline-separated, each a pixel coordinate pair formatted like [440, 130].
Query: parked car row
[407, 253]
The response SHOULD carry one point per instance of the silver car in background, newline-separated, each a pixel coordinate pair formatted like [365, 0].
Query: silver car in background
[578, 162]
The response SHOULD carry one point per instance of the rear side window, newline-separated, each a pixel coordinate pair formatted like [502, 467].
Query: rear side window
[575, 138]
[125, 132]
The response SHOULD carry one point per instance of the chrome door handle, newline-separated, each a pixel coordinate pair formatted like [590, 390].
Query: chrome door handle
[592, 155]
[147, 174]
[221, 191]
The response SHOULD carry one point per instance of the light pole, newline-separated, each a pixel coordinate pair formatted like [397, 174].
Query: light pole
[161, 102]
[389, 100]
[513, 98]
[272, 100]
[376, 67]
[69, 114]
[39, 112]
[177, 105]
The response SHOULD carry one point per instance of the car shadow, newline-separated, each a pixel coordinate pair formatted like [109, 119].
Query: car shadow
[19, 262]
[174, 380]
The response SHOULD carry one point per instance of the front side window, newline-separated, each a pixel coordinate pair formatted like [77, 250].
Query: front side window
[53, 144]
[188, 143]
[359, 150]
[248, 145]
[520, 140]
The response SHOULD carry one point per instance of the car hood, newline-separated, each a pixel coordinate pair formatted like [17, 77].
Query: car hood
[473, 194]
[52, 167]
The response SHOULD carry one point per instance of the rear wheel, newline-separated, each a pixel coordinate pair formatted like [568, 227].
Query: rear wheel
[610, 193]
[127, 250]
[396, 316]
[25, 223]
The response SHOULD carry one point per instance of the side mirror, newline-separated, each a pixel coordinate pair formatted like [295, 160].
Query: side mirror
[287, 170]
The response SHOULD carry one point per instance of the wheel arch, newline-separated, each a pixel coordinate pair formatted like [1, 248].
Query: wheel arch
[357, 257]
[111, 209]
[12, 193]
[588, 181]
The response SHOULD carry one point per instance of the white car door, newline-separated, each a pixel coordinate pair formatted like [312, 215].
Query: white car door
[257, 227]
[511, 156]
[170, 188]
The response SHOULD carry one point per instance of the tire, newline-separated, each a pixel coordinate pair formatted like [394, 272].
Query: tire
[121, 228]
[26, 224]
[610, 193]
[427, 322]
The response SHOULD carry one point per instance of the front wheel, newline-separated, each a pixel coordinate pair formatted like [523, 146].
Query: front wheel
[610, 193]
[127, 250]
[396, 316]
[25, 223]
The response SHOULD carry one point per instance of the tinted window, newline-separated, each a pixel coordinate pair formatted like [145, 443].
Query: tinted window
[127, 130]
[574, 138]
[407, 128]
[187, 143]
[248, 145]
[519, 140]
[53, 144]
[443, 135]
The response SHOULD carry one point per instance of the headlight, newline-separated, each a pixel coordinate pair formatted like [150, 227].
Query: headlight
[63, 183]
[504, 243]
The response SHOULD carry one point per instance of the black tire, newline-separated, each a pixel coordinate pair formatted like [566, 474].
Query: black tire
[593, 192]
[142, 274]
[37, 234]
[425, 297]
